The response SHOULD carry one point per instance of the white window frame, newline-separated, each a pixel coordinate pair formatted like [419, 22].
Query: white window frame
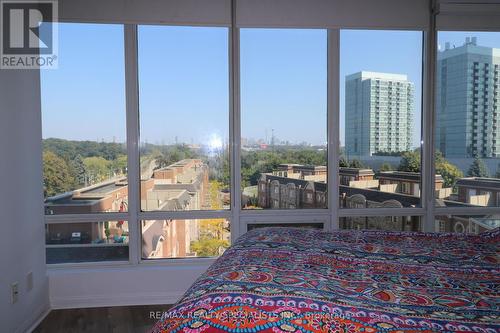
[91, 11]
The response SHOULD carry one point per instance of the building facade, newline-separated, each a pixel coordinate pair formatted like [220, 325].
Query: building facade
[378, 113]
[467, 106]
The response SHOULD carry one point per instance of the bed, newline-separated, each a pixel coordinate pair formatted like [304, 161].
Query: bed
[299, 280]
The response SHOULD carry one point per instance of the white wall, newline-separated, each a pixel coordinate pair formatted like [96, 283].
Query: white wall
[22, 233]
[141, 284]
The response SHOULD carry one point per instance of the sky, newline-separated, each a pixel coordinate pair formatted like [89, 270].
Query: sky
[183, 81]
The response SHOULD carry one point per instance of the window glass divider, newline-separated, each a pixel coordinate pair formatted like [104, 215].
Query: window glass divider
[479, 210]
[235, 124]
[428, 121]
[133, 164]
[333, 126]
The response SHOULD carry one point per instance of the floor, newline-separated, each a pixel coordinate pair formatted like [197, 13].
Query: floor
[123, 319]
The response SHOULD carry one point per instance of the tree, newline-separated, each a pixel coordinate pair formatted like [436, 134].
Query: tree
[448, 171]
[208, 247]
[98, 168]
[78, 170]
[356, 164]
[119, 165]
[343, 163]
[410, 161]
[478, 169]
[56, 175]
[386, 167]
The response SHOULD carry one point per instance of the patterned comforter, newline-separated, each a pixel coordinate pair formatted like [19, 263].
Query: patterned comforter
[298, 280]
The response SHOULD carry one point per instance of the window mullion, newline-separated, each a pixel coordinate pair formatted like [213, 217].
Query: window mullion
[428, 183]
[132, 107]
[333, 111]
[235, 124]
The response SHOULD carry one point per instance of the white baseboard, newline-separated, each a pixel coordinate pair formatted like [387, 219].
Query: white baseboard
[125, 299]
[30, 324]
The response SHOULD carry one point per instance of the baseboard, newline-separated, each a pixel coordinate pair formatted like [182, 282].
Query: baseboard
[127, 299]
[30, 324]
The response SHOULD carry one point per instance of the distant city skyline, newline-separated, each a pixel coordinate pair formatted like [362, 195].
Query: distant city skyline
[283, 78]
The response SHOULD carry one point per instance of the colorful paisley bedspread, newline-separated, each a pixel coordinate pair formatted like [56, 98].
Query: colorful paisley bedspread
[284, 280]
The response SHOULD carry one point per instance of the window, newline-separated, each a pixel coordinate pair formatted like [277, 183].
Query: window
[184, 238]
[390, 223]
[87, 242]
[187, 130]
[83, 119]
[184, 118]
[469, 224]
[283, 115]
[380, 118]
[467, 136]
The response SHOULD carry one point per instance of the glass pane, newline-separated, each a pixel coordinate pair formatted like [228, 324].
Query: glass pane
[86, 242]
[83, 117]
[391, 223]
[467, 223]
[184, 117]
[184, 238]
[467, 131]
[283, 118]
[380, 118]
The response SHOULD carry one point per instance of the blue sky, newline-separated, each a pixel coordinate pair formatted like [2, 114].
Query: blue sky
[183, 80]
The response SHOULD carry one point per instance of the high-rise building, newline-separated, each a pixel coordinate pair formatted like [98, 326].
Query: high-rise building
[378, 113]
[467, 106]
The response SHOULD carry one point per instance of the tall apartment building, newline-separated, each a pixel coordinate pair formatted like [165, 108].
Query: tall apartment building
[467, 101]
[378, 113]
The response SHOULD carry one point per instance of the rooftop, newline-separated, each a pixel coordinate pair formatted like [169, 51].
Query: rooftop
[364, 75]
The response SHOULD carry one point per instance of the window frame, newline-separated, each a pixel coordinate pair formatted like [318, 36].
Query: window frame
[239, 218]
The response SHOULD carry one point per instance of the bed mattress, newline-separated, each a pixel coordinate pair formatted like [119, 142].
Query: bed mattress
[300, 280]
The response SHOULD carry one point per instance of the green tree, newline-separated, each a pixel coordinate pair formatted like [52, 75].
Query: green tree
[478, 169]
[56, 175]
[78, 170]
[97, 168]
[410, 161]
[119, 165]
[343, 163]
[448, 171]
[386, 167]
[356, 164]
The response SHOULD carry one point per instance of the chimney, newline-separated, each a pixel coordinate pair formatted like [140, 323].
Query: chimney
[447, 46]
[474, 41]
[467, 40]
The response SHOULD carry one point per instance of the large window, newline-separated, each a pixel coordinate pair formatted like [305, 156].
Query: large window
[184, 118]
[380, 119]
[83, 118]
[165, 192]
[283, 118]
[467, 131]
